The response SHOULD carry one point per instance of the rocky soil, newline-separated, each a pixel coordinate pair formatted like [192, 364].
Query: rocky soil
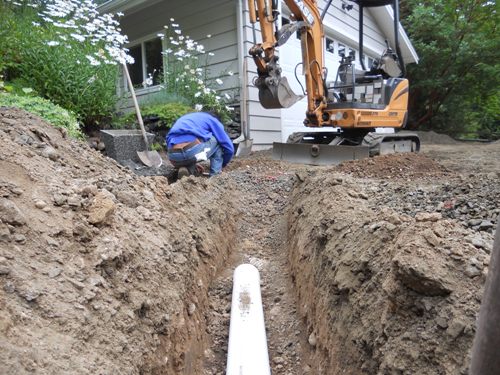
[374, 266]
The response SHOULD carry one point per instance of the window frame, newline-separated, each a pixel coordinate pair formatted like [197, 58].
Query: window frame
[142, 42]
[341, 47]
[332, 43]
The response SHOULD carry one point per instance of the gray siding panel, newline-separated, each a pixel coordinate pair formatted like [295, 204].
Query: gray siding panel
[196, 19]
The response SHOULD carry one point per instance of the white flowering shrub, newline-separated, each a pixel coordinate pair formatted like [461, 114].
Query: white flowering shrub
[186, 72]
[65, 51]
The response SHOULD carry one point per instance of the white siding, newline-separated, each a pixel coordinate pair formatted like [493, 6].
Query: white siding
[343, 24]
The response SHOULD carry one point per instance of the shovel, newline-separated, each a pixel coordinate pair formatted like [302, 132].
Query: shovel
[148, 158]
[245, 143]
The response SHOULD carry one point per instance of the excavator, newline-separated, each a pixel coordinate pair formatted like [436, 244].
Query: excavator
[355, 106]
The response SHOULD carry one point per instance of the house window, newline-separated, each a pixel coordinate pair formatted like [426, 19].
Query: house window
[341, 50]
[148, 63]
[352, 53]
[330, 45]
[369, 62]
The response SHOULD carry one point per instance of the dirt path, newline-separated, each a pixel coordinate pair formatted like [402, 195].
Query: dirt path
[261, 240]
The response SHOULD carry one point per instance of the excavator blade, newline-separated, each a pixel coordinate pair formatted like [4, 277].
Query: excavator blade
[278, 96]
[316, 154]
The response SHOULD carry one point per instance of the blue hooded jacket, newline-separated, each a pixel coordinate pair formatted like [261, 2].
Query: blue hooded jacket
[202, 126]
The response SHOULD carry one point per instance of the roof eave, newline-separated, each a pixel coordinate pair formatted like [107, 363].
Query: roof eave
[114, 6]
[385, 20]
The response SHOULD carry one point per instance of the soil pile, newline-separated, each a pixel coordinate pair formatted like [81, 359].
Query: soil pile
[395, 166]
[101, 271]
[431, 137]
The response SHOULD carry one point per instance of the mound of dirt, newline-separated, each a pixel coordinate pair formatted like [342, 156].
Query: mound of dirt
[383, 292]
[431, 137]
[101, 271]
[395, 166]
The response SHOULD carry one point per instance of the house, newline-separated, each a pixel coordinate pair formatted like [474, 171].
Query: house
[223, 28]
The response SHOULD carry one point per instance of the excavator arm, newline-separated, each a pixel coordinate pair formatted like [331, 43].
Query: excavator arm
[274, 90]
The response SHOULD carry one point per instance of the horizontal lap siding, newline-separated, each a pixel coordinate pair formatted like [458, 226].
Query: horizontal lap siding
[265, 124]
[196, 19]
[344, 24]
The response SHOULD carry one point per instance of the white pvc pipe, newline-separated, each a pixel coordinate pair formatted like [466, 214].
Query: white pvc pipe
[247, 349]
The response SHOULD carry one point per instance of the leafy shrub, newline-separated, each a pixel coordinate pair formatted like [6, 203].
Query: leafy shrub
[163, 97]
[167, 114]
[157, 147]
[53, 49]
[47, 110]
[186, 72]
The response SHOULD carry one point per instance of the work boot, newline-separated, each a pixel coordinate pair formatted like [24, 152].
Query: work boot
[182, 172]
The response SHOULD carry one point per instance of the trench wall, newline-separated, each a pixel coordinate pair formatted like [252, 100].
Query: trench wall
[382, 293]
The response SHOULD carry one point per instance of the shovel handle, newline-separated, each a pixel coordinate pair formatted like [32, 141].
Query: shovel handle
[136, 105]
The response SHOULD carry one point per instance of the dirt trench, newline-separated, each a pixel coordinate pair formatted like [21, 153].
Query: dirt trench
[374, 266]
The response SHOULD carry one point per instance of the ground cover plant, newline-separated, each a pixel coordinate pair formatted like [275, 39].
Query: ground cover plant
[52, 113]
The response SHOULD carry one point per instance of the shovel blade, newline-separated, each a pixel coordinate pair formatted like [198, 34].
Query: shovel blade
[150, 158]
[244, 147]
[278, 96]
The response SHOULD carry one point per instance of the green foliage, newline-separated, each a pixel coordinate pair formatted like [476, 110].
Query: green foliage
[62, 73]
[168, 113]
[455, 86]
[186, 73]
[163, 97]
[157, 147]
[212, 103]
[47, 110]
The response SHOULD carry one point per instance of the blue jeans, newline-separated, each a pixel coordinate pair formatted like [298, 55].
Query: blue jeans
[209, 150]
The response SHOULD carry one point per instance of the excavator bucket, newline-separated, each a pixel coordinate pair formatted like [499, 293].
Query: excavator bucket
[277, 96]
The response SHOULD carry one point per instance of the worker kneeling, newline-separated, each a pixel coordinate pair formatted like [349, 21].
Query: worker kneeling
[197, 137]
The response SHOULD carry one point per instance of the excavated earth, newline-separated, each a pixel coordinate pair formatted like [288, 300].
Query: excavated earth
[375, 266]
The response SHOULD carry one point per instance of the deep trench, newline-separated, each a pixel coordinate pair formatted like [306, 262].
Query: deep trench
[338, 279]
[260, 239]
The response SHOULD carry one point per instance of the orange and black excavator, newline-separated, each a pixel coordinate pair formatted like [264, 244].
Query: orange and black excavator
[355, 105]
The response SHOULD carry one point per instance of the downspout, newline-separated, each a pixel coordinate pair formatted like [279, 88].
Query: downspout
[361, 42]
[396, 38]
[240, 24]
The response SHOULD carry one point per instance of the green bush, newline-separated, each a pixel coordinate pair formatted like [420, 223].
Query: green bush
[31, 50]
[168, 113]
[186, 72]
[163, 97]
[47, 110]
